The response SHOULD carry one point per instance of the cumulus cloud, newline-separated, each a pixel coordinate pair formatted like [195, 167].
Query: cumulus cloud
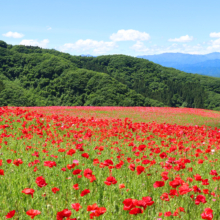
[139, 47]
[214, 34]
[13, 34]
[185, 38]
[42, 43]
[215, 45]
[130, 35]
[97, 47]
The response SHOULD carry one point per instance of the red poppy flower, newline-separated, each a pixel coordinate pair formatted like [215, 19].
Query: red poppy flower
[10, 214]
[63, 214]
[136, 211]
[159, 184]
[175, 183]
[167, 214]
[32, 213]
[2, 172]
[140, 169]
[121, 186]
[76, 206]
[85, 192]
[184, 189]
[71, 152]
[17, 162]
[41, 181]
[145, 161]
[110, 180]
[76, 186]
[55, 189]
[28, 191]
[96, 211]
[148, 200]
[50, 164]
[87, 173]
[108, 162]
[207, 214]
[76, 172]
[132, 167]
[128, 204]
[85, 155]
[9, 161]
[200, 199]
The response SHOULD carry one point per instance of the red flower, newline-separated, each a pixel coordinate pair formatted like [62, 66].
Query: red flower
[9, 161]
[76, 172]
[32, 213]
[50, 164]
[96, 211]
[85, 192]
[10, 214]
[121, 186]
[128, 204]
[142, 147]
[159, 184]
[214, 173]
[2, 172]
[200, 198]
[71, 152]
[63, 214]
[85, 155]
[136, 211]
[148, 200]
[140, 169]
[207, 214]
[76, 186]
[165, 197]
[108, 162]
[175, 183]
[110, 180]
[76, 206]
[184, 189]
[167, 214]
[55, 189]
[198, 177]
[87, 173]
[132, 167]
[41, 181]
[17, 162]
[28, 191]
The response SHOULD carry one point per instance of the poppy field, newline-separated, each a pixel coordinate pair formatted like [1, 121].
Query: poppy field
[76, 163]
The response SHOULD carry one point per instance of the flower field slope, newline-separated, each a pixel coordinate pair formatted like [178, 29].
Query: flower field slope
[109, 163]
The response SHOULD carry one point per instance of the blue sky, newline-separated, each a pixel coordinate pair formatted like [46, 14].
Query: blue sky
[139, 27]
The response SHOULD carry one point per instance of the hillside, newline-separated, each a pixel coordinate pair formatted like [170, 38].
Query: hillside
[208, 64]
[31, 76]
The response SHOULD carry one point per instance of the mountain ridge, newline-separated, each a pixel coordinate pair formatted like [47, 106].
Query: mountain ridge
[190, 63]
[32, 76]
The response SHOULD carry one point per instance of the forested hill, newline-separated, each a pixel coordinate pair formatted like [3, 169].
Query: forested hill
[31, 76]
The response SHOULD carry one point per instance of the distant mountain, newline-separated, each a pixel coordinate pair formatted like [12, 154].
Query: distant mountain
[208, 64]
[86, 55]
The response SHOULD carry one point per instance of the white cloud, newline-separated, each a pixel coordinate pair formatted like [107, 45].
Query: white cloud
[214, 34]
[173, 48]
[49, 28]
[215, 45]
[130, 35]
[97, 47]
[13, 34]
[42, 43]
[185, 38]
[139, 47]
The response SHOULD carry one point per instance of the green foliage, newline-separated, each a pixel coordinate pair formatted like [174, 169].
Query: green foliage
[36, 76]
